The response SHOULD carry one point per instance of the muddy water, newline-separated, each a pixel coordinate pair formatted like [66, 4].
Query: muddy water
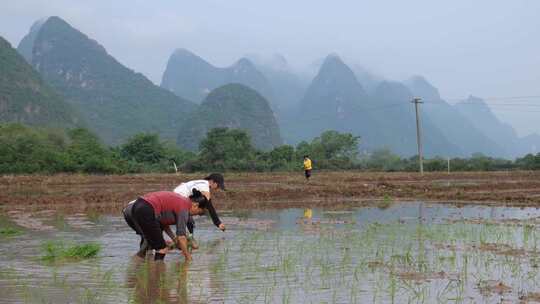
[403, 253]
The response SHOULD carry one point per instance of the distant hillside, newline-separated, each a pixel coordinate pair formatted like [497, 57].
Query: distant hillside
[335, 100]
[367, 79]
[396, 113]
[458, 128]
[190, 76]
[287, 87]
[26, 45]
[529, 144]
[25, 98]
[115, 101]
[481, 116]
[232, 106]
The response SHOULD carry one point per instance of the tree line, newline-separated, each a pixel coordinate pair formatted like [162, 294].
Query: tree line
[26, 150]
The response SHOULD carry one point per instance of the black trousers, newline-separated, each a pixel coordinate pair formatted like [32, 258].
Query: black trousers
[128, 216]
[142, 219]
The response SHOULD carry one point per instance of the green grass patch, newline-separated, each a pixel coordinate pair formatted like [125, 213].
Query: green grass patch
[7, 228]
[56, 251]
[9, 231]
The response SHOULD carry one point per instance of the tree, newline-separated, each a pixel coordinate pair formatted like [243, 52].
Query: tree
[303, 148]
[282, 153]
[30, 150]
[332, 144]
[383, 160]
[281, 157]
[529, 162]
[144, 148]
[225, 148]
[87, 154]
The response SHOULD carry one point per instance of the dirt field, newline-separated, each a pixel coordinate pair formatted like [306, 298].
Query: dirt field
[109, 193]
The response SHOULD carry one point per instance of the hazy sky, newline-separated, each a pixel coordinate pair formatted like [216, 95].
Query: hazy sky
[484, 48]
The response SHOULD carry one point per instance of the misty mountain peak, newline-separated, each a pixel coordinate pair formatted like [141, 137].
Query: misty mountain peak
[107, 93]
[181, 52]
[26, 45]
[36, 26]
[422, 88]
[57, 23]
[333, 60]
[276, 62]
[279, 61]
[475, 100]
[393, 89]
[190, 76]
[244, 64]
[334, 69]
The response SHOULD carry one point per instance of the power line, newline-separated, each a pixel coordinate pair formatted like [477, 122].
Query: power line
[333, 114]
[500, 107]
[495, 98]
[485, 104]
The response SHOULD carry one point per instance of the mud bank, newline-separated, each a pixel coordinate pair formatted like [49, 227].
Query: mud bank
[108, 193]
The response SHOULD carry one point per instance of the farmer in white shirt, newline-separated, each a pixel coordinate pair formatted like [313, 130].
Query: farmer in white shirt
[213, 181]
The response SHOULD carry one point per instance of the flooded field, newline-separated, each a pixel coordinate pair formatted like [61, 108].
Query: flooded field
[387, 253]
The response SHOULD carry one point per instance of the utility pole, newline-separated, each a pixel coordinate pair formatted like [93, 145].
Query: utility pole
[416, 101]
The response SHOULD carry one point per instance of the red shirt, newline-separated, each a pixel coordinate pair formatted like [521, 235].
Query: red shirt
[170, 209]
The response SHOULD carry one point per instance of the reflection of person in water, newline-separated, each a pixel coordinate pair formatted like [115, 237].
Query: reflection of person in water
[150, 213]
[149, 282]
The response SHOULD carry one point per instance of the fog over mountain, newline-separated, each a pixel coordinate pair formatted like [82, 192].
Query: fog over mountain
[115, 102]
[480, 48]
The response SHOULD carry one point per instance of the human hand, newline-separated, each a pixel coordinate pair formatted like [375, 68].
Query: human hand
[171, 245]
[164, 250]
[222, 227]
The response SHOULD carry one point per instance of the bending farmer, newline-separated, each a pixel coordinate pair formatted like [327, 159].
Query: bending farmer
[212, 182]
[155, 211]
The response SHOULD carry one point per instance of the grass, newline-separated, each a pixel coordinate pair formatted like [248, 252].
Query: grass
[8, 228]
[9, 231]
[56, 251]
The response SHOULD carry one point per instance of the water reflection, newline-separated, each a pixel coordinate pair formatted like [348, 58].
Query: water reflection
[294, 255]
[152, 283]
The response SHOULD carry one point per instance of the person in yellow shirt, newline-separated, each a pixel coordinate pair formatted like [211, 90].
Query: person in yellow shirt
[307, 166]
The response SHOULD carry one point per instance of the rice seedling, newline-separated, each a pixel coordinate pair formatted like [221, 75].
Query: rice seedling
[9, 232]
[7, 228]
[57, 251]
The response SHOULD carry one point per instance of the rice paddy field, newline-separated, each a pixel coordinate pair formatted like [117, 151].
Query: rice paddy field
[62, 240]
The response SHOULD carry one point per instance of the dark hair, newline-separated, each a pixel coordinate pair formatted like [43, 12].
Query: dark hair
[306, 156]
[218, 179]
[199, 198]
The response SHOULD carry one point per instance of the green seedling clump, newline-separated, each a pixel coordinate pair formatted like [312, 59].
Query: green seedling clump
[7, 228]
[58, 251]
[9, 231]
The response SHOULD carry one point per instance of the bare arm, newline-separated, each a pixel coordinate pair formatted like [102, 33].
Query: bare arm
[169, 232]
[181, 239]
[212, 211]
[182, 244]
[214, 216]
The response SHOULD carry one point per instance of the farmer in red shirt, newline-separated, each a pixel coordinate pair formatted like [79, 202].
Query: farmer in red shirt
[152, 212]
